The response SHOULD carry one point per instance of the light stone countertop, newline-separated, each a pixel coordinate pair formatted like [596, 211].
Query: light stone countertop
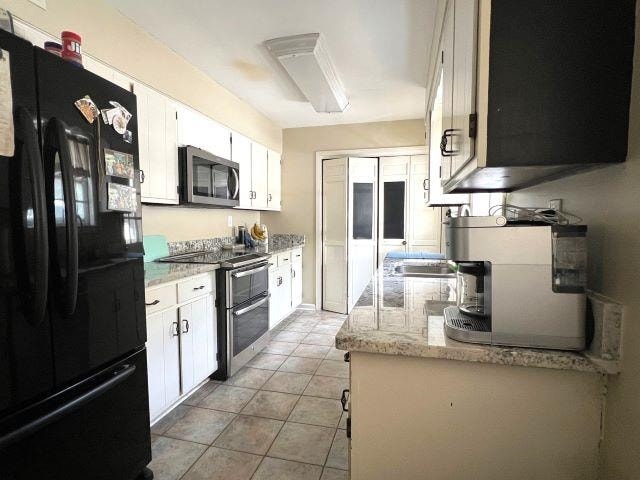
[398, 315]
[157, 273]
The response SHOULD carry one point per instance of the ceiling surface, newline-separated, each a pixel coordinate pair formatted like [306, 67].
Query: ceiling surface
[379, 49]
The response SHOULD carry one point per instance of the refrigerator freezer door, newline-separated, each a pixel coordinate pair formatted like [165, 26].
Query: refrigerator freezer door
[26, 361]
[96, 294]
[98, 430]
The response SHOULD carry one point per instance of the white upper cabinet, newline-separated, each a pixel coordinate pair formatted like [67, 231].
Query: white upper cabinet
[424, 224]
[157, 145]
[274, 181]
[259, 176]
[241, 154]
[200, 131]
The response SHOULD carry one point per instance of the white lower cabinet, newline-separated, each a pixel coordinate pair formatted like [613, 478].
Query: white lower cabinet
[197, 341]
[285, 285]
[163, 360]
[296, 279]
[181, 343]
[280, 288]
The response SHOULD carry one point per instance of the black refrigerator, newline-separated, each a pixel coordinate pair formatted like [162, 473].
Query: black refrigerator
[73, 372]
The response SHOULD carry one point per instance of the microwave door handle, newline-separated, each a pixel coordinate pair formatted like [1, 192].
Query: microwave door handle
[249, 272]
[242, 311]
[56, 141]
[235, 174]
[26, 132]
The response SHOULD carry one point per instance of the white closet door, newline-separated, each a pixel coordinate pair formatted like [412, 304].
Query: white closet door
[393, 195]
[362, 231]
[241, 154]
[423, 221]
[334, 235]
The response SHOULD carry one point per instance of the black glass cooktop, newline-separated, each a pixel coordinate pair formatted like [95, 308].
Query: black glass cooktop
[226, 258]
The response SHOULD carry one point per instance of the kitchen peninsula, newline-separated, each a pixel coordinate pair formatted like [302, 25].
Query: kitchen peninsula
[420, 401]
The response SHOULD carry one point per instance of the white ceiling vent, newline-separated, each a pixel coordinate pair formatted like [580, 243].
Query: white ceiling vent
[306, 60]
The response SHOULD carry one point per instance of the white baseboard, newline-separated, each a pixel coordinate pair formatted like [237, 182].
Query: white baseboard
[307, 306]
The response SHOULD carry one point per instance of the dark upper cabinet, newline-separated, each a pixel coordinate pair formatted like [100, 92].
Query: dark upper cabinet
[533, 90]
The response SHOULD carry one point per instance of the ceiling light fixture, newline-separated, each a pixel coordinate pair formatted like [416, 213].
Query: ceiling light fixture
[307, 61]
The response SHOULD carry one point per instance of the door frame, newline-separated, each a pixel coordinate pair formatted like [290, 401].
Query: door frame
[356, 152]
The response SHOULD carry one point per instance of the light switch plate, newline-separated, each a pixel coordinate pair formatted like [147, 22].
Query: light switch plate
[41, 3]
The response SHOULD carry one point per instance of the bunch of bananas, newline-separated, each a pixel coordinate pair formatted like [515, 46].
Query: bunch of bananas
[259, 232]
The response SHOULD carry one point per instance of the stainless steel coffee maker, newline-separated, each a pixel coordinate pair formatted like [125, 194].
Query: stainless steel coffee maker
[518, 284]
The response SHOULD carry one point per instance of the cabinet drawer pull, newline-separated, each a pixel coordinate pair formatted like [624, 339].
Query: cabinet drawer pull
[155, 302]
[344, 399]
[198, 288]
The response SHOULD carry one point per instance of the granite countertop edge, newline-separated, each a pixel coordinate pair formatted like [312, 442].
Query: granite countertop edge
[369, 342]
[398, 344]
[155, 273]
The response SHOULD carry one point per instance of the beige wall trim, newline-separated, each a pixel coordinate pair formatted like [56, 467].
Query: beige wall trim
[327, 154]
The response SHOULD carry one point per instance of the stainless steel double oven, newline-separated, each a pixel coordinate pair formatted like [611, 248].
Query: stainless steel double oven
[243, 292]
[242, 285]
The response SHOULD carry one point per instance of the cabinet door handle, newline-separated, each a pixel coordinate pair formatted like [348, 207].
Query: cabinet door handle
[425, 184]
[449, 132]
[269, 197]
[293, 273]
[176, 331]
[186, 324]
[344, 399]
[141, 176]
[198, 288]
[155, 302]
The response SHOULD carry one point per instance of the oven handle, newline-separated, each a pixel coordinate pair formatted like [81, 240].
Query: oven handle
[249, 272]
[242, 311]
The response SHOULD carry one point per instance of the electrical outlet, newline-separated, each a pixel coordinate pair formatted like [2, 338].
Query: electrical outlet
[556, 204]
[229, 221]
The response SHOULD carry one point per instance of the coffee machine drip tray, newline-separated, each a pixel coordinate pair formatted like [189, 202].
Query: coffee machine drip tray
[466, 328]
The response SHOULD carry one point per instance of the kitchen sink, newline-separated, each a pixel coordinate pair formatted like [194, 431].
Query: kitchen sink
[424, 271]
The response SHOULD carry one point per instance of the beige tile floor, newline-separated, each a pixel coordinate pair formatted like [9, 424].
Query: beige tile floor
[279, 418]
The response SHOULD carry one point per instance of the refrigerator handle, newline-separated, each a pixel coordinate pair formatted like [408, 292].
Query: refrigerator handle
[56, 141]
[27, 135]
[117, 377]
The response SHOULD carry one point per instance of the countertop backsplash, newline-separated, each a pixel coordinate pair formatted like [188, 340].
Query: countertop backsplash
[276, 241]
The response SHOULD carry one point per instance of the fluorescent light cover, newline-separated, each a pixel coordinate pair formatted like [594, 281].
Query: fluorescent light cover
[306, 60]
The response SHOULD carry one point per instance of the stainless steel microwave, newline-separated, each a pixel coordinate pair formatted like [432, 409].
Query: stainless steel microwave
[208, 180]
